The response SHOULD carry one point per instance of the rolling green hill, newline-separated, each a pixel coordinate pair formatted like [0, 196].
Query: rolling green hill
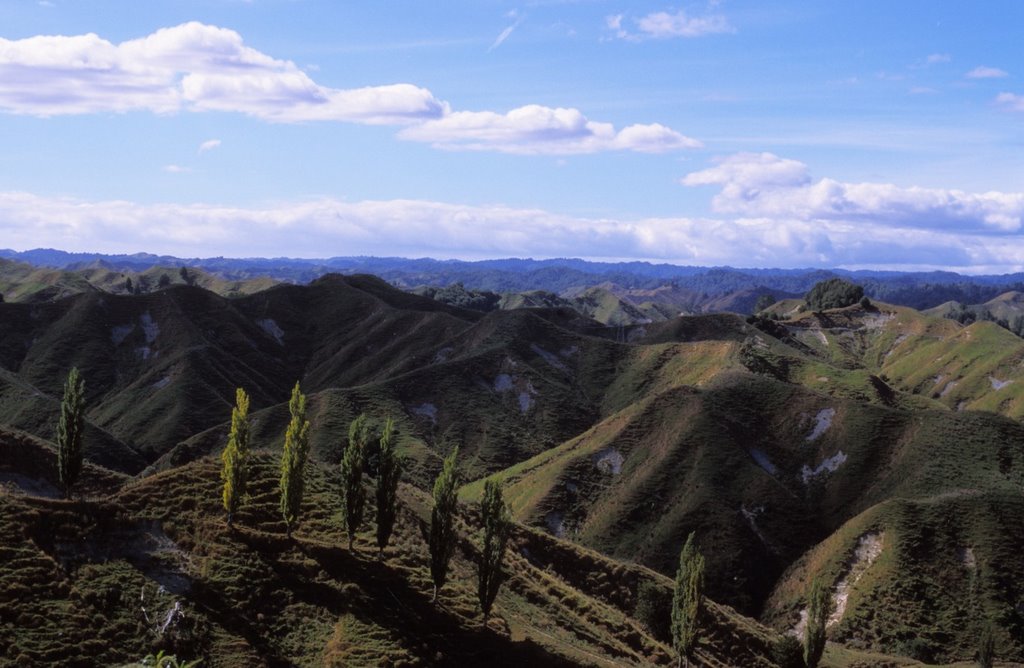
[877, 446]
[21, 282]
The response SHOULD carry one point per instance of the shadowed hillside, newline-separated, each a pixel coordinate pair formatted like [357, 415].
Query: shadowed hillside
[873, 445]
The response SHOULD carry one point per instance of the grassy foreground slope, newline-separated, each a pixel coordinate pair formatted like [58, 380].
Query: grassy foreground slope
[108, 578]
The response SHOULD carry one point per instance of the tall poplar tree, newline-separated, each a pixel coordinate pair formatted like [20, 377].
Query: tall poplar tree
[69, 431]
[353, 494]
[442, 521]
[235, 458]
[497, 523]
[389, 470]
[819, 604]
[293, 460]
[687, 601]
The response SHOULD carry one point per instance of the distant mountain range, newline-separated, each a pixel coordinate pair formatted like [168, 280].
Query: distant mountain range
[916, 289]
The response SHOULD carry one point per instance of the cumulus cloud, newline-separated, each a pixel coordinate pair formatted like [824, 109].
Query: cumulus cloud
[765, 185]
[1011, 101]
[195, 68]
[536, 129]
[175, 169]
[983, 72]
[665, 25]
[192, 67]
[209, 145]
[327, 227]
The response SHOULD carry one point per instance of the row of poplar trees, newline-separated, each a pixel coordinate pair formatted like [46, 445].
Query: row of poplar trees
[687, 599]
[443, 536]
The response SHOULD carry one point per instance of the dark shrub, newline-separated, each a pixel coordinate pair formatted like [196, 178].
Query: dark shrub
[833, 293]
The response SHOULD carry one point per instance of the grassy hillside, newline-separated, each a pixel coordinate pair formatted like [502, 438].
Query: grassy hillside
[791, 444]
[21, 282]
[95, 581]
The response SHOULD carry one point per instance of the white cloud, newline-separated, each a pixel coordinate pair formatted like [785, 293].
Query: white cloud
[175, 169]
[504, 35]
[328, 227]
[1011, 101]
[193, 67]
[663, 25]
[937, 58]
[764, 185]
[209, 145]
[536, 129]
[200, 68]
[983, 72]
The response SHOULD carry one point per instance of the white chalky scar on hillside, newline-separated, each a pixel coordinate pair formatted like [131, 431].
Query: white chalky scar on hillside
[761, 457]
[751, 516]
[555, 522]
[120, 333]
[869, 547]
[270, 327]
[822, 421]
[526, 398]
[503, 382]
[609, 461]
[998, 384]
[548, 357]
[149, 326]
[426, 410]
[830, 465]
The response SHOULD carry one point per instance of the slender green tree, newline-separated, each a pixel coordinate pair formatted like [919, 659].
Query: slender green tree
[69, 431]
[293, 460]
[497, 523]
[235, 458]
[442, 521]
[389, 471]
[353, 494]
[819, 604]
[687, 601]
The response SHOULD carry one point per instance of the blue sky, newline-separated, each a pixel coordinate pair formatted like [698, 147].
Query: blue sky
[867, 134]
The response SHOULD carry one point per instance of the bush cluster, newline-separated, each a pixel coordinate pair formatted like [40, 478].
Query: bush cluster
[833, 293]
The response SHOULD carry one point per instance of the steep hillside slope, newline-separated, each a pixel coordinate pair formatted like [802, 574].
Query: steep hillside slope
[161, 367]
[108, 581]
[794, 444]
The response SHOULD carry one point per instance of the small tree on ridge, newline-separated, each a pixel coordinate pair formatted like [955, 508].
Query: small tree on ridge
[497, 524]
[819, 603]
[69, 431]
[687, 601]
[389, 471]
[235, 458]
[442, 521]
[353, 494]
[293, 460]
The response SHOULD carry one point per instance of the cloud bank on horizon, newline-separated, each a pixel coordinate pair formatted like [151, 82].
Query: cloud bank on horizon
[783, 219]
[745, 206]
